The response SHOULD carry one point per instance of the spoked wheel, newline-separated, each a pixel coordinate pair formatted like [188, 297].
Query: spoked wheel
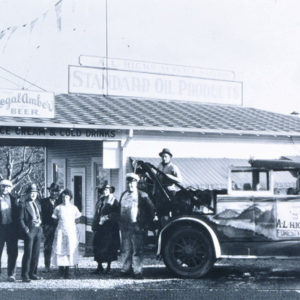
[189, 253]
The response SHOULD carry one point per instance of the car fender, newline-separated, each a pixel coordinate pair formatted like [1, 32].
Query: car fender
[208, 228]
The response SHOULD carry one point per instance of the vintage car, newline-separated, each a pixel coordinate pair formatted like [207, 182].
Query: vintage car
[257, 217]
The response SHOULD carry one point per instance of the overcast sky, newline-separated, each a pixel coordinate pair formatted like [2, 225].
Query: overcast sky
[259, 40]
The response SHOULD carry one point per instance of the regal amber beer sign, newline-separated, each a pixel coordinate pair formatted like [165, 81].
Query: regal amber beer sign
[24, 103]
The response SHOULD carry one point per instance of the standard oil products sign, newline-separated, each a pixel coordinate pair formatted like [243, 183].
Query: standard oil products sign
[103, 81]
[23, 103]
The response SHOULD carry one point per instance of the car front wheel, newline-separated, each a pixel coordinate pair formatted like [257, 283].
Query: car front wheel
[188, 252]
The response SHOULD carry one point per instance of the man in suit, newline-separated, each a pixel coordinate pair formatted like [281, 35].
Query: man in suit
[30, 222]
[48, 223]
[137, 211]
[8, 227]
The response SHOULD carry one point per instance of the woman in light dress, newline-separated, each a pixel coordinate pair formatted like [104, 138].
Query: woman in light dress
[65, 245]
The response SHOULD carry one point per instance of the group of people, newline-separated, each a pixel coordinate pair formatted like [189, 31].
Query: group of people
[55, 217]
[29, 219]
[131, 215]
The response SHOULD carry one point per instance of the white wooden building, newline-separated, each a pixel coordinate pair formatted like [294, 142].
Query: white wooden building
[91, 138]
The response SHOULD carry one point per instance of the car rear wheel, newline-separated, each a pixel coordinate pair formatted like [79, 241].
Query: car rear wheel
[189, 253]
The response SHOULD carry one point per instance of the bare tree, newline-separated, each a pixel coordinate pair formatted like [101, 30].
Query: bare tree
[22, 165]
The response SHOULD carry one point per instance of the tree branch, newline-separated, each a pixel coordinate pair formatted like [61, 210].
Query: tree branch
[22, 175]
[9, 164]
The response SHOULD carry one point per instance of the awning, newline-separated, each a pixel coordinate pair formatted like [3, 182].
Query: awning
[212, 173]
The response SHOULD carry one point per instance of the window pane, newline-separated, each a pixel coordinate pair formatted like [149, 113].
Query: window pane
[241, 181]
[59, 172]
[101, 176]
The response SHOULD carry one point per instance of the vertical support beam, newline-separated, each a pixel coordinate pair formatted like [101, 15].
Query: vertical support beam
[46, 169]
[123, 158]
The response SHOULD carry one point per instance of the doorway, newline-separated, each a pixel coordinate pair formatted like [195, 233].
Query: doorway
[78, 190]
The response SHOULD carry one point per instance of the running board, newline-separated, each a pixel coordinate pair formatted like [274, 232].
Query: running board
[257, 257]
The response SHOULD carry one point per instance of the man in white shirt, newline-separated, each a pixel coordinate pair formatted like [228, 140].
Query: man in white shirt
[169, 176]
[137, 211]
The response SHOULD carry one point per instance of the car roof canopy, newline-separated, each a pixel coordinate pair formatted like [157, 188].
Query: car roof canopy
[275, 164]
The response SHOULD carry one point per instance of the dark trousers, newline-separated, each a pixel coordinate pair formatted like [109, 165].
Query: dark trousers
[9, 235]
[32, 242]
[49, 232]
[132, 246]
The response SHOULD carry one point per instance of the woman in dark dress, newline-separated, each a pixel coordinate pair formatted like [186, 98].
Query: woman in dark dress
[106, 241]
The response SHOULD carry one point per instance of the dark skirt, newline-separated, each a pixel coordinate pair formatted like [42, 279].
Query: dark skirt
[106, 242]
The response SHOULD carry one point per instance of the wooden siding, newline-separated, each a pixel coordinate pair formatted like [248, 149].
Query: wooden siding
[114, 180]
[78, 154]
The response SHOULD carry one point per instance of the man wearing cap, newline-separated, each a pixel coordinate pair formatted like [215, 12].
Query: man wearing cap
[48, 223]
[173, 176]
[30, 222]
[8, 227]
[137, 211]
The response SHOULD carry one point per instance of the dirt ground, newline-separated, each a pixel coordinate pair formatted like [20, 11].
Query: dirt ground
[236, 273]
[80, 277]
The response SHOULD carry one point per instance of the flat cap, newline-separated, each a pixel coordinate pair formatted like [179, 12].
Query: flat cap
[6, 182]
[132, 177]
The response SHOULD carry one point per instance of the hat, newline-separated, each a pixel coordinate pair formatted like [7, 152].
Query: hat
[132, 177]
[167, 151]
[111, 188]
[6, 182]
[67, 192]
[31, 187]
[54, 187]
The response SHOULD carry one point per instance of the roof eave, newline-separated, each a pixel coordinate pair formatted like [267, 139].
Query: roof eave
[153, 128]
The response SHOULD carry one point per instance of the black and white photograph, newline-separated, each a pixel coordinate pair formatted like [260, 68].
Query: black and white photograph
[149, 149]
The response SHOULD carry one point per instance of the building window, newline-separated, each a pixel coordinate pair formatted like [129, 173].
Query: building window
[100, 177]
[59, 172]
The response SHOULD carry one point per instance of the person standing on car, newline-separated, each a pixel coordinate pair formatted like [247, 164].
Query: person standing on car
[30, 222]
[137, 211]
[48, 223]
[171, 175]
[8, 227]
[106, 242]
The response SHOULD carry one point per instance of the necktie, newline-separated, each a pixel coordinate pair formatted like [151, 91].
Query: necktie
[36, 210]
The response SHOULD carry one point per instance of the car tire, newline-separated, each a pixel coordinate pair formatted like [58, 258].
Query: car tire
[189, 253]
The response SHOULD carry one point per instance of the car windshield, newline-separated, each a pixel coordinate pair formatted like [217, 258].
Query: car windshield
[285, 183]
[249, 180]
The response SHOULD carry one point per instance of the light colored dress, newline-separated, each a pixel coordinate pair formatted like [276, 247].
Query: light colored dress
[65, 245]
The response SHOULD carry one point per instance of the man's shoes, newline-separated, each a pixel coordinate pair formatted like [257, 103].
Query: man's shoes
[46, 270]
[97, 272]
[66, 273]
[26, 279]
[11, 278]
[138, 276]
[35, 277]
[125, 274]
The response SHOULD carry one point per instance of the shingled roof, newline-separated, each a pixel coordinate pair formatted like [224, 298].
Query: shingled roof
[96, 111]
